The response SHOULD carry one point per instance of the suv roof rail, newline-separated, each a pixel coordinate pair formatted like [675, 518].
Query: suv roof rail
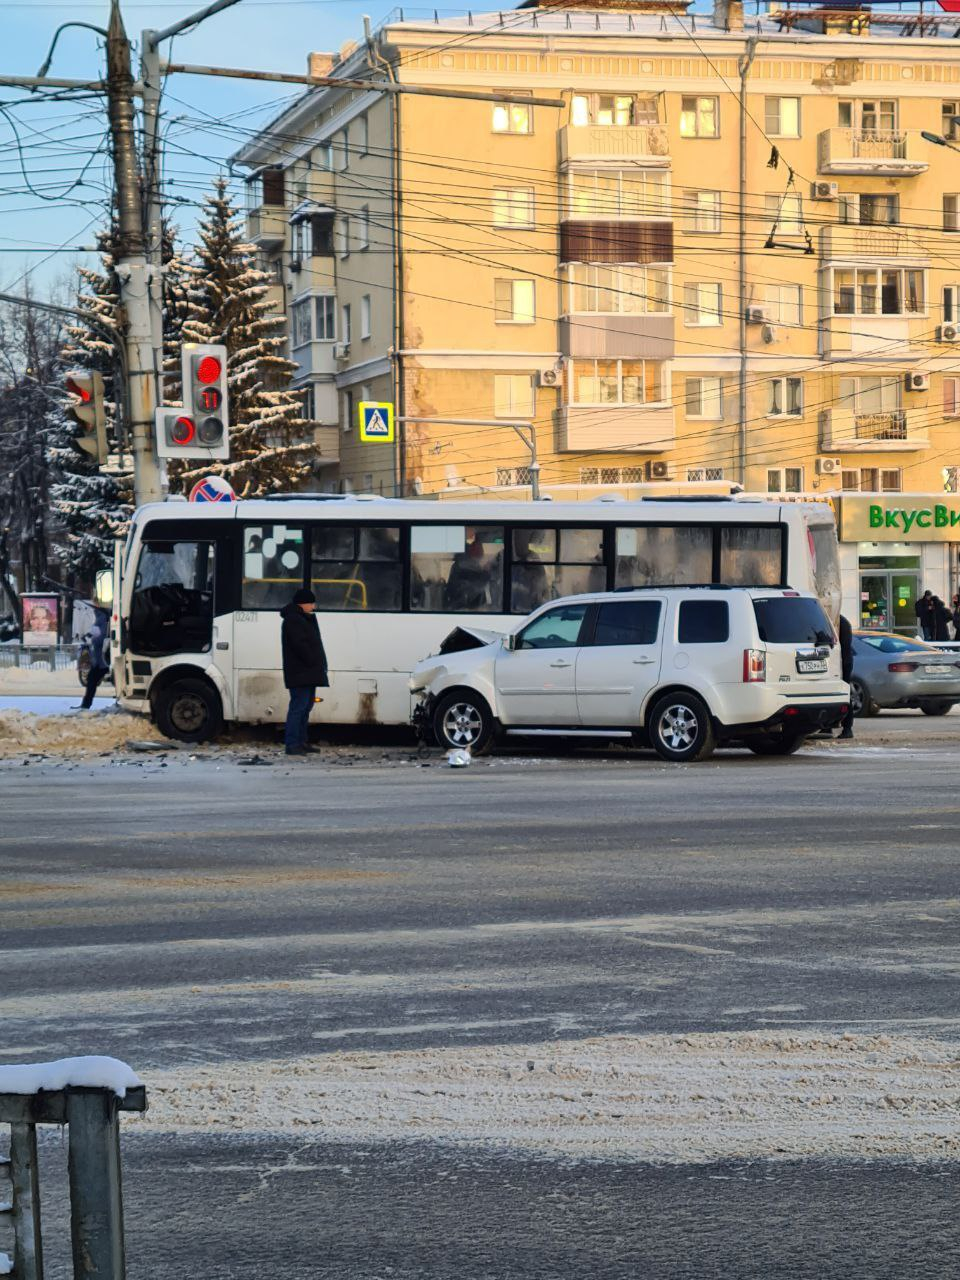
[684, 586]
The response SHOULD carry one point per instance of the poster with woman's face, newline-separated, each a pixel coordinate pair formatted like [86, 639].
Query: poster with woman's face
[41, 619]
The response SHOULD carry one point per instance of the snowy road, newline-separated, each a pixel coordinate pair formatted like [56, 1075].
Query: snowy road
[367, 991]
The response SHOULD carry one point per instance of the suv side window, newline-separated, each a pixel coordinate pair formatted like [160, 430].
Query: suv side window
[627, 622]
[556, 629]
[703, 622]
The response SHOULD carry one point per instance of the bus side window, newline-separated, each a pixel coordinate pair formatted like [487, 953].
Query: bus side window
[272, 565]
[356, 568]
[548, 563]
[750, 556]
[664, 555]
[456, 568]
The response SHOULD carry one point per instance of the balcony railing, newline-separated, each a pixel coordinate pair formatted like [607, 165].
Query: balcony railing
[869, 151]
[647, 142]
[267, 225]
[634, 428]
[894, 429]
[841, 241]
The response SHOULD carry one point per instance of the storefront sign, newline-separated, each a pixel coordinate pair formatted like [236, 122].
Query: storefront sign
[906, 518]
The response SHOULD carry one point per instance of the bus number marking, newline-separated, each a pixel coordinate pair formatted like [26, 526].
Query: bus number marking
[242, 616]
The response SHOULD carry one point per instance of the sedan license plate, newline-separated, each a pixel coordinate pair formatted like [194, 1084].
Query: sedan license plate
[934, 671]
[806, 666]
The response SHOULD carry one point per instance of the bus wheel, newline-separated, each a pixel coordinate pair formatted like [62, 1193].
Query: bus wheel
[463, 719]
[189, 711]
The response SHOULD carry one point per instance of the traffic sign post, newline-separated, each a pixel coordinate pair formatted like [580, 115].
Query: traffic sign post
[376, 422]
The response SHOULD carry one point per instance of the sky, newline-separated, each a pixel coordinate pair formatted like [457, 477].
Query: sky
[205, 119]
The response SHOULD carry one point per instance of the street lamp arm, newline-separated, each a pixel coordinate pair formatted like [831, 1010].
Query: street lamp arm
[937, 140]
[56, 36]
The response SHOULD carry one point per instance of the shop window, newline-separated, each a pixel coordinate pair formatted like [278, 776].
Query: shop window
[356, 569]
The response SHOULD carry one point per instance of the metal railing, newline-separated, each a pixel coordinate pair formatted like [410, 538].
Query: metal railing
[60, 657]
[96, 1203]
[881, 426]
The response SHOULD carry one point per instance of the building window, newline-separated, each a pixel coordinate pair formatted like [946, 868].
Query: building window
[341, 237]
[618, 193]
[618, 110]
[871, 291]
[616, 382]
[951, 397]
[891, 480]
[951, 211]
[346, 408]
[699, 117]
[702, 304]
[365, 316]
[872, 480]
[782, 303]
[872, 394]
[701, 211]
[950, 119]
[323, 156]
[515, 301]
[326, 311]
[363, 228]
[345, 323]
[300, 312]
[361, 136]
[309, 402]
[321, 225]
[785, 398]
[697, 475]
[513, 207]
[704, 398]
[272, 186]
[869, 209]
[513, 395]
[618, 290]
[951, 303]
[781, 117]
[512, 117]
[870, 116]
[612, 475]
[512, 476]
[785, 480]
[786, 213]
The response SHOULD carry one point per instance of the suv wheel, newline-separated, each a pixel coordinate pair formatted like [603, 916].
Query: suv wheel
[463, 719]
[189, 711]
[680, 728]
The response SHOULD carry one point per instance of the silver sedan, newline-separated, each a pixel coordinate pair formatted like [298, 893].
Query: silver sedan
[892, 671]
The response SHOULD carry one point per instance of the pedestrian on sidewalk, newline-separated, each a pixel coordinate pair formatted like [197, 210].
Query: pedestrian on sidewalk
[846, 671]
[96, 641]
[304, 667]
[956, 617]
[924, 612]
[941, 620]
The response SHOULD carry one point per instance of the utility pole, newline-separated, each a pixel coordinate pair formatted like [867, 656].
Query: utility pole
[132, 269]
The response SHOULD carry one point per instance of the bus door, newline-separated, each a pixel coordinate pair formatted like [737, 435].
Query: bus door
[171, 605]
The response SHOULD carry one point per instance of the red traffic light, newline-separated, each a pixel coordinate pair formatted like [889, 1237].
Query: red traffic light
[208, 370]
[182, 431]
[84, 393]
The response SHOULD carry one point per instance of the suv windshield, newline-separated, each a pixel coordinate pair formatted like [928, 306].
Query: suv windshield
[792, 620]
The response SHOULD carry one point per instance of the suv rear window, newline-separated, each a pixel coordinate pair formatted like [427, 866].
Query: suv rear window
[703, 622]
[792, 620]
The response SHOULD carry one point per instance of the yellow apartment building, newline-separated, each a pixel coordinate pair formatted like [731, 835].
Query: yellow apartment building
[687, 249]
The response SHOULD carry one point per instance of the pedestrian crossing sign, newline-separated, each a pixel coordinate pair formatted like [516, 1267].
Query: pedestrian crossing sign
[376, 422]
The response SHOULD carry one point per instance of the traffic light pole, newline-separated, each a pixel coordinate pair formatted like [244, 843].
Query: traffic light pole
[132, 268]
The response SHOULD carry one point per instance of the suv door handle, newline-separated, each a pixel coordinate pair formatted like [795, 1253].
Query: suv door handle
[561, 662]
[642, 662]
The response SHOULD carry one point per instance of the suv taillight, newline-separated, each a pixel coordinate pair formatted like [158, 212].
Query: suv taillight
[754, 666]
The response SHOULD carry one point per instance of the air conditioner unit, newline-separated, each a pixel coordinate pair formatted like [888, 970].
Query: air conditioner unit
[757, 315]
[824, 190]
[828, 466]
[917, 381]
[948, 333]
[769, 333]
[661, 471]
[341, 350]
[548, 378]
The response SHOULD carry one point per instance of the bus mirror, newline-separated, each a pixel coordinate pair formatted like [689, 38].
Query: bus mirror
[103, 589]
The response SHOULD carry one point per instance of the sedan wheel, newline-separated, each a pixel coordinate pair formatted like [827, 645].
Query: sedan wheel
[860, 700]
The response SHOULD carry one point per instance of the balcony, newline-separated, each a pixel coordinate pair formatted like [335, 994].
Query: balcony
[267, 226]
[872, 152]
[646, 143]
[894, 431]
[842, 241]
[609, 337]
[634, 428]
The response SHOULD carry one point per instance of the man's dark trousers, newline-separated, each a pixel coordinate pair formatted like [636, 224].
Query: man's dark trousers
[298, 714]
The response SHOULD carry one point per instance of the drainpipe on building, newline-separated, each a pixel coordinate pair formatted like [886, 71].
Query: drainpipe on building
[744, 65]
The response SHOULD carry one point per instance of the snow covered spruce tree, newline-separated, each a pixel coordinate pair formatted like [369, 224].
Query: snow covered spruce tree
[229, 304]
[93, 507]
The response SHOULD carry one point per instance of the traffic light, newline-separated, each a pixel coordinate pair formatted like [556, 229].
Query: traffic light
[86, 407]
[200, 429]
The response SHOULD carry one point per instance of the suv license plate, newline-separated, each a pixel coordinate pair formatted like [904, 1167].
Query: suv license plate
[806, 666]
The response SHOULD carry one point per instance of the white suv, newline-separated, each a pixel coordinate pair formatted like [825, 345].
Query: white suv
[682, 668]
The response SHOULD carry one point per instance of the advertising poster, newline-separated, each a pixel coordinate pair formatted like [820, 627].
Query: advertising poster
[41, 618]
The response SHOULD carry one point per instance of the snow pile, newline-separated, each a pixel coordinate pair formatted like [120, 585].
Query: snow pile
[6, 1264]
[671, 1098]
[89, 1072]
[40, 680]
[78, 735]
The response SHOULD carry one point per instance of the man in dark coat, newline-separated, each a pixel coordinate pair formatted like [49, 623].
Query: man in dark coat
[304, 667]
[846, 670]
[924, 611]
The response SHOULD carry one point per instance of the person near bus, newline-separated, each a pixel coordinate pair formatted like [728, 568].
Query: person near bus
[955, 615]
[846, 671]
[304, 667]
[924, 612]
[96, 641]
[941, 620]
